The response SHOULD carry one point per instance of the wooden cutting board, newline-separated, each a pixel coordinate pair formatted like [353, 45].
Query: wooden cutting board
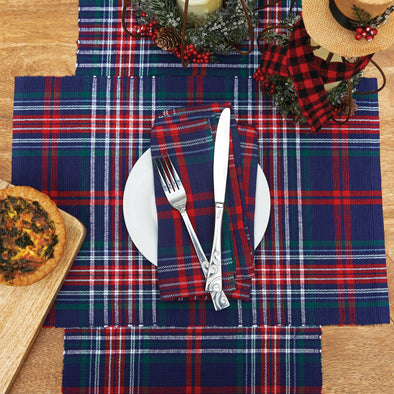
[23, 309]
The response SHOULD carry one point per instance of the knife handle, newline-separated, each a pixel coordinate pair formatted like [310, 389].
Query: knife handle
[219, 299]
[214, 276]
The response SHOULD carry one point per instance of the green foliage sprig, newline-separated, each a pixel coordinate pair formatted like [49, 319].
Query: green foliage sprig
[282, 89]
[362, 17]
[216, 33]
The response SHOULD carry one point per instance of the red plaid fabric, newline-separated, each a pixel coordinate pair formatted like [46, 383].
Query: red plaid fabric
[309, 74]
[187, 136]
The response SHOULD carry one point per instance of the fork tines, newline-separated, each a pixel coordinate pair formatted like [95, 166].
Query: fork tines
[168, 176]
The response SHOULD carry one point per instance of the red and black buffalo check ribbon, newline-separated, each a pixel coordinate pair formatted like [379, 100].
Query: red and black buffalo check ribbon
[309, 73]
[187, 136]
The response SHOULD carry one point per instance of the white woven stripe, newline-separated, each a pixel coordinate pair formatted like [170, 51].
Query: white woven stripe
[154, 286]
[261, 267]
[111, 20]
[140, 106]
[117, 208]
[107, 188]
[111, 353]
[229, 351]
[262, 334]
[92, 205]
[97, 371]
[288, 360]
[265, 364]
[275, 382]
[300, 229]
[131, 131]
[294, 360]
[91, 341]
[327, 257]
[83, 142]
[366, 294]
[120, 360]
[262, 147]
[252, 373]
[286, 258]
[235, 113]
[133, 366]
[277, 247]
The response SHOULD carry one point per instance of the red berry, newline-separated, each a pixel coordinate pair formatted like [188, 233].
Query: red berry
[359, 29]
[364, 33]
[143, 14]
[143, 27]
[368, 29]
[374, 32]
[369, 37]
[358, 36]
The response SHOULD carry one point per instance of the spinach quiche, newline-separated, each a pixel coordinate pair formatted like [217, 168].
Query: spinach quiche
[32, 235]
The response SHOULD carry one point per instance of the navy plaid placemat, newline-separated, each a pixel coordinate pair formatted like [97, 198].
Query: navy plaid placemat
[192, 360]
[104, 49]
[322, 259]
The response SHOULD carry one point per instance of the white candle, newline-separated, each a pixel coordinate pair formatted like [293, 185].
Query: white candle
[200, 7]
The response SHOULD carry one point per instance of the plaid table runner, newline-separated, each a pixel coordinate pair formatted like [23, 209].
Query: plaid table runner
[104, 49]
[322, 259]
[192, 360]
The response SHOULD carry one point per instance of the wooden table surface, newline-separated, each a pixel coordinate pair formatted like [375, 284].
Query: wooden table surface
[38, 37]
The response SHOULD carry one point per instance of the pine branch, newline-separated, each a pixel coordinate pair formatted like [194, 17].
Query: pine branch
[360, 15]
[214, 33]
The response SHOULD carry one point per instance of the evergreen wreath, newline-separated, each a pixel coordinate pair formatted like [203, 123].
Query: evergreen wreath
[282, 89]
[216, 33]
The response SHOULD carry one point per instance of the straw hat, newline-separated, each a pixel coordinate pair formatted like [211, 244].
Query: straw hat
[325, 20]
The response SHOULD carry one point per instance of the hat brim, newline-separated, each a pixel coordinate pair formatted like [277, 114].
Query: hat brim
[328, 33]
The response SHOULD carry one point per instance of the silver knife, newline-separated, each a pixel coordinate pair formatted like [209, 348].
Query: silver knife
[220, 167]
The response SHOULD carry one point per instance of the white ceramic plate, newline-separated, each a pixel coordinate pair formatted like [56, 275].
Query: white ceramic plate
[139, 207]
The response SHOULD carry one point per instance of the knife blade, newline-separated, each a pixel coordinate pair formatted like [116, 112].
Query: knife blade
[220, 169]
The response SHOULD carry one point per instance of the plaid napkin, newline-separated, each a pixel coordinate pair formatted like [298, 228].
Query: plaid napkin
[194, 360]
[187, 136]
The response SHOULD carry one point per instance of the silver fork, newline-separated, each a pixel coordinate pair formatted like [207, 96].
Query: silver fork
[176, 196]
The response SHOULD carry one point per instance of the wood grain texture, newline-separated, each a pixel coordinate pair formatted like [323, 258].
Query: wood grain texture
[42, 359]
[24, 308]
[38, 37]
[358, 359]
